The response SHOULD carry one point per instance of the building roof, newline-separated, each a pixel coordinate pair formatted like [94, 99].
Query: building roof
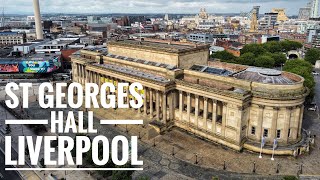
[159, 46]
[211, 70]
[263, 75]
[133, 72]
[141, 61]
[7, 33]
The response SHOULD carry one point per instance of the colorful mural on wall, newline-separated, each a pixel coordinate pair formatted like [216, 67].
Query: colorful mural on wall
[9, 68]
[30, 66]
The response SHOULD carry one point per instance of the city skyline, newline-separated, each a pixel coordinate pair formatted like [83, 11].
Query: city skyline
[150, 6]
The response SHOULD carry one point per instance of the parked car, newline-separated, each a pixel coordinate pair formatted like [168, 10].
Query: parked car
[315, 73]
[312, 109]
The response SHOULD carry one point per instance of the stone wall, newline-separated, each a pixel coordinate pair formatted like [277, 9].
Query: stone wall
[155, 56]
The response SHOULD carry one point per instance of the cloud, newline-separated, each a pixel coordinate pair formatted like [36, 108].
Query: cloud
[150, 6]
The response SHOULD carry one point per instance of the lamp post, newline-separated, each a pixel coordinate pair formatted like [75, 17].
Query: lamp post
[196, 155]
[172, 151]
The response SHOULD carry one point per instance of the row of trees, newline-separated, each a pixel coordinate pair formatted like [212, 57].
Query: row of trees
[304, 69]
[270, 54]
[114, 175]
[312, 55]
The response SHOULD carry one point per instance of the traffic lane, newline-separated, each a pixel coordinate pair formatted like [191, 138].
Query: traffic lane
[317, 89]
[12, 175]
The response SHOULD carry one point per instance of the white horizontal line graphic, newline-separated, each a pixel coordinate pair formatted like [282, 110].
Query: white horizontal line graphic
[74, 169]
[29, 121]
[121, 121]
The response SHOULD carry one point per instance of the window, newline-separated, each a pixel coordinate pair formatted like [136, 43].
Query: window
[289, 132]
[265, 133]
[253, 130]
[278, 134]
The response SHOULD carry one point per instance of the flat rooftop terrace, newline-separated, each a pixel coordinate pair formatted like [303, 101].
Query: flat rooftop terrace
[133, 72]
[33, 57]
[159, 46]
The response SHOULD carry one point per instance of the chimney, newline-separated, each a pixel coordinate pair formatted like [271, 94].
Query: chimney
[37, 17]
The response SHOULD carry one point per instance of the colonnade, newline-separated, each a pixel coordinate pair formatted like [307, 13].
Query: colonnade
[157, 104]
[208, 116]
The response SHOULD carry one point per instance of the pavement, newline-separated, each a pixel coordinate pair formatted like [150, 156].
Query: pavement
[12, 175]
[159, 163]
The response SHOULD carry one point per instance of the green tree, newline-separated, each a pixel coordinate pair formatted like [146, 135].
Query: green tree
[299, 64]
[290, 178]
[122, 175]
[272, 46]
[279, 58]
[304, 69]
[224, 56]
[256, 49]
[246, 59]
[312, 55]
[143, 178]
[287, 45]
[264, 61]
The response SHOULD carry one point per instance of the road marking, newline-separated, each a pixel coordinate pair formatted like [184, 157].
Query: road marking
[1, 176]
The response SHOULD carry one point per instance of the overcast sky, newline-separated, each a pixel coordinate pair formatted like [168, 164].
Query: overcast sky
[149, 6]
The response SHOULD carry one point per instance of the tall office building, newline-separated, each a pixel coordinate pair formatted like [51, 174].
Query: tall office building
[304, 13]
[314, 9]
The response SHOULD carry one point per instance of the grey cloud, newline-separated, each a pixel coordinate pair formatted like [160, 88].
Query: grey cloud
[150, 6]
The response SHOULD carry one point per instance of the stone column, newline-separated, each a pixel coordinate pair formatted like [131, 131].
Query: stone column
[151, 103]
[300, 120]
[157, 106]
[181, 104]
[87, 75]
[128, 96]
[174, 99]
[188, 107]
[145, 101]
[164, 107]
[214, 115]
[224, 118]
[259, 129]
[171, 105]
[273, 130]
[140, 109]
[196, 109]
[287, 124]
[78, 73]
[295, 126]
[92, 77]
[205, 111]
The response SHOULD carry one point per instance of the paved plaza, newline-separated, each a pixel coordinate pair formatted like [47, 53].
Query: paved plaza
[159, 163]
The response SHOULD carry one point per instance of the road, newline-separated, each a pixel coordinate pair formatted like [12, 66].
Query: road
[317, 89]
[12, 175]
